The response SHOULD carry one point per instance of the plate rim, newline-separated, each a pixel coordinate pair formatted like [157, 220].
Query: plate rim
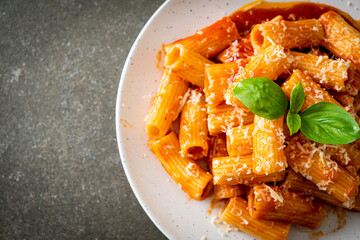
[124, 72]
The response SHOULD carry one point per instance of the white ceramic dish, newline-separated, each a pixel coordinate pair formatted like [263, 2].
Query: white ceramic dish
[168, 207]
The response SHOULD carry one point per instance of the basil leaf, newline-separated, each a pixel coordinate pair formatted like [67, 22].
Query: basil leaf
[262, 96]
[294, 122]
[297, 98]
[328, 123]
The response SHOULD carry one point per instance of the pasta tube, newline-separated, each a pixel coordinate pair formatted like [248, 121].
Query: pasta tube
[218, 146]
[193, 134]
[222, 117]
[187, 64]
[237, 215]
[273, 203]
[269, 63]
[329, 73]
[352, 86]
[268, 146]
[313, 92]
[228, 191]
[240, 48]
[217, 79]
[239, 140]
[238, 170]
[341, 38]
[167, 104]
[345, 99]
[297, 183]
[312, 163]
[218, 149]
[187, 174]
[347, 155]
[288, 34]
[211, 40]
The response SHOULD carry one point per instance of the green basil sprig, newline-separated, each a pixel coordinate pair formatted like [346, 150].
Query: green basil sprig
[262, 96]
[297, 98]
[322, 122]
[294, 122]
[329, 123]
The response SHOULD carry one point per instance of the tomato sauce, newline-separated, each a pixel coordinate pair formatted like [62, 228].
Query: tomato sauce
[260, 11]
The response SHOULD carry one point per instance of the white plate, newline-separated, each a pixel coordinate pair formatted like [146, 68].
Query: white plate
[168, 207]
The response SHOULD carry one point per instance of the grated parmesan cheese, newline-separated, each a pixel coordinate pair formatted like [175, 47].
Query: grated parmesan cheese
[275, 195]
[192, 169]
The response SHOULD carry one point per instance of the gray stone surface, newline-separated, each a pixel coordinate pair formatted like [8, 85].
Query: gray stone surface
[60, 171]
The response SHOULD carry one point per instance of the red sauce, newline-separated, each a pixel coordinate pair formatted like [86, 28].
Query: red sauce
[316, 235]
[262, 11]
[332, 211]
[216, 204]
[126, 123]
[341, 219]
[158, 60]
[212, 205]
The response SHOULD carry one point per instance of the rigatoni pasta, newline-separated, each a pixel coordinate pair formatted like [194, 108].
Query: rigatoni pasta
[314, 93]
[223, 117]
[239, 140]
[187, 64]
[239, 170]
[312, 163]
[193, 132]
[218, 149]
[211, 40]
[341, 38]
[347, 155]
[272, 203]
[270, 62]
[167, 104]
[236, 214]
[268, 146]
[228, 191]
[239, 49]
[329, 73]
[289, 34]
[295, 182]
[217, 79]
[224, 147]
[189, 176]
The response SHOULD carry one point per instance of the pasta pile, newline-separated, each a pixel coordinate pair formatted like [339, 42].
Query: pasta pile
[271, 179]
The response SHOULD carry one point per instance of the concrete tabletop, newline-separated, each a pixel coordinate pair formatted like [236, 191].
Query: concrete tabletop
[60, 172]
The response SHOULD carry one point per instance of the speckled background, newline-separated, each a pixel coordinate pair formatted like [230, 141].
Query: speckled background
[60, 172]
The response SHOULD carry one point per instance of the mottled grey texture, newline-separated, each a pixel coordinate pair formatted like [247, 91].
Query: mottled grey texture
[60, 171]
